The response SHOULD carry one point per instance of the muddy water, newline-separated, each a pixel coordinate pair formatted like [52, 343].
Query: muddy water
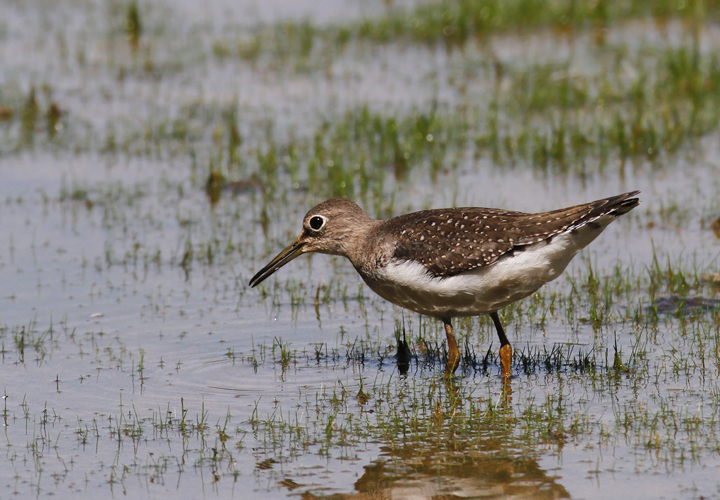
[135, 359]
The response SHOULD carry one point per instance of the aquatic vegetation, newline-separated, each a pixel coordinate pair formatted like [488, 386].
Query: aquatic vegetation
[153, 156]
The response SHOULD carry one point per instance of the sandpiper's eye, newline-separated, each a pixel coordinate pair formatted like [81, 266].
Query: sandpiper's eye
[317, 222]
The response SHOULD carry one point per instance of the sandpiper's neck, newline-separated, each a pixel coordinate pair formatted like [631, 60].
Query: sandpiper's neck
[370, 246]
[356, 238]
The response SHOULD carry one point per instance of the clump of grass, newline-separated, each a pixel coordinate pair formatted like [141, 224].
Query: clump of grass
[21, 118]
[133, 24]
[29, 119]
[27, 340]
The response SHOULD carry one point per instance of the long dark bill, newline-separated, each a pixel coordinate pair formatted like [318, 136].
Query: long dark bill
[282, 258]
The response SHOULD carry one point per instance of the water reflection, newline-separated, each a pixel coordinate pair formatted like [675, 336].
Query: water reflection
[457, 462]
[484, 469]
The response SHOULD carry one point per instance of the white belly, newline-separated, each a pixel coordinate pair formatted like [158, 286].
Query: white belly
[482, 290]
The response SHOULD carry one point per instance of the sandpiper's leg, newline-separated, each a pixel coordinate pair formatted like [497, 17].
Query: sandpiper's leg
[453, 352]
[505, 347]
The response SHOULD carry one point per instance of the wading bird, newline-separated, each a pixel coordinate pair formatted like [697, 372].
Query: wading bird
[454, 262]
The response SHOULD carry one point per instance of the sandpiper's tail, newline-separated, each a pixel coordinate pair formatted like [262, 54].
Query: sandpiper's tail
[590, 219]
[615, 206]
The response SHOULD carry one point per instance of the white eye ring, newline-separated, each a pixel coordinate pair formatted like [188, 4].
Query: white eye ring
[316, 222]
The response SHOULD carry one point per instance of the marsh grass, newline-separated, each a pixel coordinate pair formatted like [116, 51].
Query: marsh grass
[612, 359]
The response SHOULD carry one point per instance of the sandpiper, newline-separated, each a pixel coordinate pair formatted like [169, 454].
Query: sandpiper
[454, 262]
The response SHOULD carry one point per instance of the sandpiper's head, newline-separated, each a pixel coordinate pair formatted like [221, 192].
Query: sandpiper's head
[327, 228]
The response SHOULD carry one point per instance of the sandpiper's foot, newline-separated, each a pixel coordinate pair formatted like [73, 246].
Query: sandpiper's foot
[453, 351]
[452, 363]
[506, 359]
[403, 355]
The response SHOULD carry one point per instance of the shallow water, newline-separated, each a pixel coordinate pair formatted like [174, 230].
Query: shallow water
[136, 361]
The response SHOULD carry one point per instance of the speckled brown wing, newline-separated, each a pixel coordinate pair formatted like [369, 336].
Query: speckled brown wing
[451, 241]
